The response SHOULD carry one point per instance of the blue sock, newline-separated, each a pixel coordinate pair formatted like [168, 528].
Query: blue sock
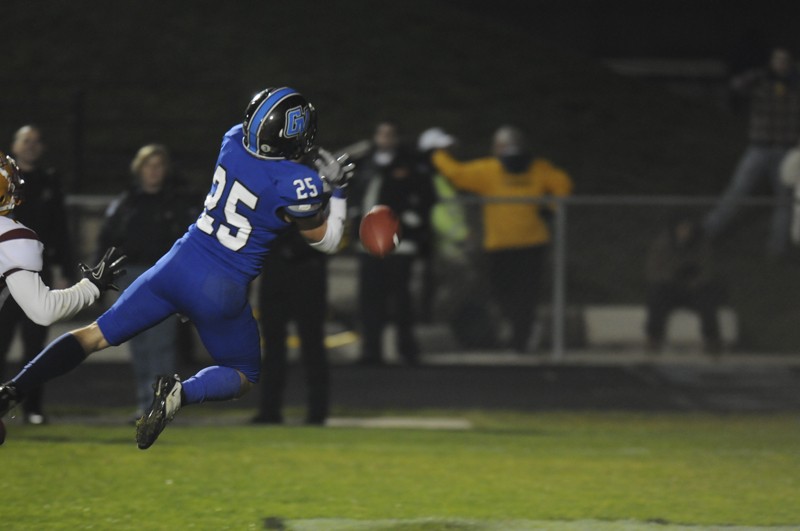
[59, 357]
[212, 383]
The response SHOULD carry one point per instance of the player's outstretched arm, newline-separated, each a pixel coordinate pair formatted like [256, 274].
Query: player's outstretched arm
[324, 233]
[45, 306]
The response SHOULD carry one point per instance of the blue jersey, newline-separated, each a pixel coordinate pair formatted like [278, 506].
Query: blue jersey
[246, 207]
[205, 274]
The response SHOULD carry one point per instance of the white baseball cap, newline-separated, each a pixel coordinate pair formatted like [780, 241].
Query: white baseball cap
[434, 138]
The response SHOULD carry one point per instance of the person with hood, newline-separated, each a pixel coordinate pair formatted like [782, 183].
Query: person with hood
[515, 234]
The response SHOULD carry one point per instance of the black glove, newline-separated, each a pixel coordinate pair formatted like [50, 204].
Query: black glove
[107, 270]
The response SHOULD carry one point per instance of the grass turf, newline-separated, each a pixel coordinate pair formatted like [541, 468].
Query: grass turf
[568, 469]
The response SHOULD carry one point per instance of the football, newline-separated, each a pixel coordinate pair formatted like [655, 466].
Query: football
[380, 231]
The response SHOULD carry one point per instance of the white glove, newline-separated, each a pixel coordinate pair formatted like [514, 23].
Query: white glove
[336, 171]
[434, 138]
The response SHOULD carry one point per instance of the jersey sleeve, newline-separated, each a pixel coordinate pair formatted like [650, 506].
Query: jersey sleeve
[44, 306]
[302, 194]
[20, 248]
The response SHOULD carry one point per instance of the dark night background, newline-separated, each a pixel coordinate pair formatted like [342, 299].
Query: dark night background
[104, 78]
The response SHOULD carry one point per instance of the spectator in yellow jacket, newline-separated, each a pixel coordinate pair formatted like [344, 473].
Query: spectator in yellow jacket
[515, 234]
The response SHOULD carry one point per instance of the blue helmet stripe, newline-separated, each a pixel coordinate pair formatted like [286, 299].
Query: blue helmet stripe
[262, 111]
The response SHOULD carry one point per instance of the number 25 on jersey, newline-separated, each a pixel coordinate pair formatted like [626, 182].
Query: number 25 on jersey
[234, 232]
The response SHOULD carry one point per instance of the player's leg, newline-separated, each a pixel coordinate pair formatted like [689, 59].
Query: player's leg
[234, 344]
[218, 307]
[152, 350]
[137, 309]
[58, 358]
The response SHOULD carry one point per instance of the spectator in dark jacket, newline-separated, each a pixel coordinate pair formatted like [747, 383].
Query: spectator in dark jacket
[680, 273]
[42, 210]
[293, 288]
[388, 175]
[144, 222]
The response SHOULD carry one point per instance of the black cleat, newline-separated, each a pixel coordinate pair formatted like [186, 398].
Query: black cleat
[166, 402]
[9, 398]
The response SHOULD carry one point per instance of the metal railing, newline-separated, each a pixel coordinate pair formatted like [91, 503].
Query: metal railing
[88, 210]
[563, 210]
[561, 206]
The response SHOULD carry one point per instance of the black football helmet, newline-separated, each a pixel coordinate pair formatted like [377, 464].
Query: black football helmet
[279, 123]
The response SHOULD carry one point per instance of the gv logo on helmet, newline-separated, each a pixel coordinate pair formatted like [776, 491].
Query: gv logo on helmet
[295, 122]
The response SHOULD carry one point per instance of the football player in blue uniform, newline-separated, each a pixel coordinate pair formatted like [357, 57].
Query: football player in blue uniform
[259, 189]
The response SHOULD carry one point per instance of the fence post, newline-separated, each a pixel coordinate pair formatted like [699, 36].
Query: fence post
[559, 277]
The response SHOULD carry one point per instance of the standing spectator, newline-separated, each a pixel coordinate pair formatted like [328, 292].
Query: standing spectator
[448, 224]
[144, 222]
[679, 272]
[515, 236]
[293, 287]
[448, 218]
[43, 211]
[388, 175]
[473, 324]
[774, 98]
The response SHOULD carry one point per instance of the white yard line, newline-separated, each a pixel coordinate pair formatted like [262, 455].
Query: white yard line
[432, 524]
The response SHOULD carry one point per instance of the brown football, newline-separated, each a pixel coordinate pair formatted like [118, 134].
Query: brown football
[379, 231]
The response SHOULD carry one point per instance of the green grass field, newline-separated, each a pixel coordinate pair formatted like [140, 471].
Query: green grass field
[511, 471]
